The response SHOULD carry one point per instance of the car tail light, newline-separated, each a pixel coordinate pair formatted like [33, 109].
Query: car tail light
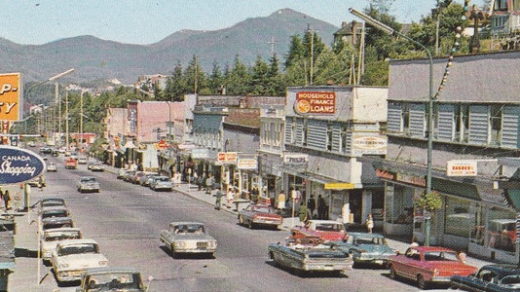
[435, 272]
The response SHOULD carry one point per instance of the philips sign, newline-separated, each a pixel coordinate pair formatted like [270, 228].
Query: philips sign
[18, 165]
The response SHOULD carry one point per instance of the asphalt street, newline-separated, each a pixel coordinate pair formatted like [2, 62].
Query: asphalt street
[126, 220]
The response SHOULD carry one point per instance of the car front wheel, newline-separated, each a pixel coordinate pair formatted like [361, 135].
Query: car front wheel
[393, 274]
[421, 283]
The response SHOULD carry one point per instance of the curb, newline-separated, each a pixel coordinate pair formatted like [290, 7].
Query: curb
[204, 201]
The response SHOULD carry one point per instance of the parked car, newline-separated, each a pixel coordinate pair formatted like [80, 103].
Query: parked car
[54, 211]
[56, 222]
[88, 183]
[327, 230]
[367, 248]
[161, 183]
[112, 279]
[49, 202]
[128, 175]
[147, 178]
[38, 182]
[31, 144]
[255, 215]
[72, 257]
[51, 237]
[136, 178]
[96, 167]
[51, 167]
[309, 255]
[45, 150]
[121, 173]
[490, 278]
[82, 160]
[188, 237]
[428, 264]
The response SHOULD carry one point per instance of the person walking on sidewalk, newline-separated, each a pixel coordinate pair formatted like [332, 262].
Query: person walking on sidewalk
[218, 200]
[209, 184]
[370, 223]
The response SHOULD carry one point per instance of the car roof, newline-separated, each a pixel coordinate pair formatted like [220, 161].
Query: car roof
[365, 234]
[56, 219]
[503, 269]
[62, 229]
[78, 241]
[432, 248]
[86, 177]
[106, 270]
[52, 199]
[324, 222]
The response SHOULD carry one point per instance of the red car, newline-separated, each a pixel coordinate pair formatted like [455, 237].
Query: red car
[428, 264]
[327, 230]
[259, 215]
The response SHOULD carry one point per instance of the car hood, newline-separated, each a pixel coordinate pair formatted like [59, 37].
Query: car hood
[81, 261]
[267, 215]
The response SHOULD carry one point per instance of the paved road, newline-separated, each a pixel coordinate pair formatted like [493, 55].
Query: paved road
[126, 220]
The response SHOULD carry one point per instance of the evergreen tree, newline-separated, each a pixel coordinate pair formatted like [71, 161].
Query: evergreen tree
[239, 79]
[216, 79]
[259, 77]
[176, 86]
[194, 76]
[275, 81]
[296, 51]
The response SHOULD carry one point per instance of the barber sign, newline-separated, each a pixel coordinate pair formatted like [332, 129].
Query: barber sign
[19, 165]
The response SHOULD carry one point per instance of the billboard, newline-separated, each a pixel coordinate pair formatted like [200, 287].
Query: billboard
[19, 165]
[11, 97]
[315, 102]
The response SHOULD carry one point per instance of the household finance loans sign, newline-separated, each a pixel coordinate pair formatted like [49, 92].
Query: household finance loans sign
[19, 165]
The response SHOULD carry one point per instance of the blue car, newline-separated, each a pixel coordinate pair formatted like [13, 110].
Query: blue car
[492, 278]
[368, 248]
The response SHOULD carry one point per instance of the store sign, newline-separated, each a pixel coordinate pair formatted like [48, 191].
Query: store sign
[19, 165]
[295, 159]
[227, 157]
[309, 102]
[385, 174]
[161, 145]
[368, 145]
[461, 168]
[339, 186]
[201, 153]
[11, 97]
[410, 179]
[247, 164]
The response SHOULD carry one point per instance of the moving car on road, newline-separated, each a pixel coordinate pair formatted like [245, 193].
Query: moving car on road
[254, 215]
[188, 237]
[491, 278]
[161, 183]
[88, 183]
[112, 279]
[367, 248]
[71, 163]
[327, 230]
[72, 257]
[96, 167]
[51, 167]
[51, 238]
[309, 255]
[82, 160]
[428, 264]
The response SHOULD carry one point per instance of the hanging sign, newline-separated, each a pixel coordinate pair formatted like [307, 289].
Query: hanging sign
[19, 165]
[227, 157]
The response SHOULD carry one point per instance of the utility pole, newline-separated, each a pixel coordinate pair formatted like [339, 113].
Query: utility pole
[59, 113]
[81, 120]
[272, 43]
[67, 121]
[312, 54]
[196, 75]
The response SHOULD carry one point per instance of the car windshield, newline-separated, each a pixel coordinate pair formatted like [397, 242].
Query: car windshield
[369, 240]
[189, 229]
[264, 209]
[111, 281]
[54, 213]
[77, 249]
[440, 256]
[52, 225]
[162, 179]
[88, 180]
[52, 203]
[55, 236]
[329, 227]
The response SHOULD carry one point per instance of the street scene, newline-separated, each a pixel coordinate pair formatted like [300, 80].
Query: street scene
[274, 146]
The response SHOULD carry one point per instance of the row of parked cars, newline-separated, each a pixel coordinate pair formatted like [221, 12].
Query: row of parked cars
[154, 181]
[74, 258]
[325, 245]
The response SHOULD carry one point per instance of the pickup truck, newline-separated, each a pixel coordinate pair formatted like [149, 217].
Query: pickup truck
[71, 163]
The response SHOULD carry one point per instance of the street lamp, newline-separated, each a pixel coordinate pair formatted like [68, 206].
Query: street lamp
[388, 30]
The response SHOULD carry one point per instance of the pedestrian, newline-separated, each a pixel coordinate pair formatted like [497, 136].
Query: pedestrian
[218, 200]
[201, 181]
[254, 195]
[370, 223]
[7, 199]
[209, 184]
[230, 196]
[311, 204]
[280, 202]
[321, 207]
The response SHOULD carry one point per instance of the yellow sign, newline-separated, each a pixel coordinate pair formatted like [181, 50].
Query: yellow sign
[10, 97]
[340, 186]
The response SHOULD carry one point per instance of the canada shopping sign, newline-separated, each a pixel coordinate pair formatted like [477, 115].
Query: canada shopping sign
[19, 165]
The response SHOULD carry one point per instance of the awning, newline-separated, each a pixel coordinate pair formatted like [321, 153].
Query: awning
[317, 178]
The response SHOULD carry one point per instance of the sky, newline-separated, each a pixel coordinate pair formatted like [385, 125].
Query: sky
[149, 21]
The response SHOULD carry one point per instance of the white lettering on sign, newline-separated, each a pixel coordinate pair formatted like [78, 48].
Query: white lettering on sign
[15, 171]
[7, 88]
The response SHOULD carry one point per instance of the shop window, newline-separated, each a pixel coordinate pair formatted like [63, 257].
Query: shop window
[501, 5]
[398, 204]
[500, 230]
[478, 229]
[459, 219]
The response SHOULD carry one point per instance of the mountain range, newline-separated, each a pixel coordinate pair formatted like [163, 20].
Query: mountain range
[94, 58]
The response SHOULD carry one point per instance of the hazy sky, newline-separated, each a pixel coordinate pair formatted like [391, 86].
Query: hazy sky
[148, 21]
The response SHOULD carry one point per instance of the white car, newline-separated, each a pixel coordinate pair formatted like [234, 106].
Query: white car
[82, 160]
[88, 183]
[72, 257]
[52, 237]
[188, 238]
[51, 167]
